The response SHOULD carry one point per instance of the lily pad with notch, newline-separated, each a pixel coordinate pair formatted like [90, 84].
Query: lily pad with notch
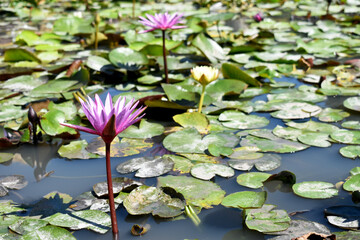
[119, 184]
[207, 171]
[350, 151]
[239, 120]
[76, 150]
[332, 115]
[264, 162]
[252, 179]
[346, 136]
[245, 199]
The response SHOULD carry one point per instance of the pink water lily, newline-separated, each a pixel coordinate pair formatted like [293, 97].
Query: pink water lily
[161, 21]
[108, 121]
[99, 116]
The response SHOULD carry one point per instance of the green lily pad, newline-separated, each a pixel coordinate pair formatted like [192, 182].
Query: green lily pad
[192, 119]
[332, 115]
[87, 219]
[20, 54]
[347, 235]
[232, 71]
[26, 225]
[346, 136]
[315, 139]
[353, 103]
[49, 233]
[127, 58]
[245, 199]
[99, 64]
[296, 110]
[217, 150]
[76, 150]
[145, 130]
[187, 140]
[267, 219]
[4, 157]
[350, 151]
[239, 120]
[23, 83]
[11, 112]
[7, 207]
[181, 164]
[252, 179]
[264, 162]
[296, 95]
[218, 89]
[6, 221]
[73, 25]
[289, 133]
[146, 167]
[145, 200]
[196, 192]
[68, 108]
[177, 92]
[313, 126]
[101, 189]
[207, 171]
[352, 184]
[315, 190]
[149, 80]
[53, 87]
[211, 49]
[50, 123]
[351, 125]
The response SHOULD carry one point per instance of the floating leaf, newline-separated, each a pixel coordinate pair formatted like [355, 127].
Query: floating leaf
[239, 120]
[13, 182]
[232, 71]
[351, 125]
[315, 139]
[346, 136]
[127, 58]
[49, 233]
[266, 219]
[296, 110]
[350, 151]
[145, 200]
[206, 171]
[265, 162]
[332, 115]
[90, 219]
[196, 192]
[145, 130]
[187, 140]
[211, 49]
[315, 190]
[353, 103]
[119, 184]
[7, 207]
[218, 89]
[4, 157]
[146, 167]
[76, 150]
[181, 164]
[26, 225]
[313, 126]
[50, 123]
[99, 64]
[347, 235]
[296, 95]
[193, 119]
[245, 199]
[352, 184]
[346, 217]
[20, 54]
[252, 179]
[298, 228]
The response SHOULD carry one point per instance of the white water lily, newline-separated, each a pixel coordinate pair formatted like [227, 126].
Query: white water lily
[204, 74]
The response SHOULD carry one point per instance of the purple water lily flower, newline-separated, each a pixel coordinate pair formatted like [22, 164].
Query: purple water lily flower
[161, 21]
[99, 116]
[258, 17]
[108, 121]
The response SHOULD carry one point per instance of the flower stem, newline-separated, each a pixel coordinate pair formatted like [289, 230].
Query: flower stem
[110, 190]
[164, 55]
[201, 98]
[133, 9]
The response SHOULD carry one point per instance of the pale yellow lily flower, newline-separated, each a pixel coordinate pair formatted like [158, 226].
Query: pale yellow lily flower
[204, 74]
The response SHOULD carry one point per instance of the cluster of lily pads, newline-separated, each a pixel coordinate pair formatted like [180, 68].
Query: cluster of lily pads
[270, 68]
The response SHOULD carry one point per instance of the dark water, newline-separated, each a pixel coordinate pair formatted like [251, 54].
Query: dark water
[74, 177]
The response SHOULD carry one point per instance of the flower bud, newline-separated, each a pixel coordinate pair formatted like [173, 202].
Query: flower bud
[204, 74]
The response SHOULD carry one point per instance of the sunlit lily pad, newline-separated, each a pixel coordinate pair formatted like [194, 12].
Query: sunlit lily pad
[145, 200]
[127, 58]
[245, 199]
[26, 225]
[50, 123]
[7, 207]
[232, 71]
[347, 235]
[351, 125]
[350, 151]
[332, 115]
[145, 130]
[252, 179]
[197, 192]
[193, 119]
[315, 190]
[13, 182]
[76, 150]
[353, 103]
[239, 120]
[296, 95]
[313, 126]
[206, 171]
[218, 89]
[315, 139]
[4, 157]
[211, 49]
[267, 219]
[20, 54]
[296, 111]
[22, 83]
[346, 217]
[181, 164]
[49, 233]
[266, 162]
[87, 219]
[11, 112]
[146, 167]
[352, 184]
[346, 136]
[289, 133]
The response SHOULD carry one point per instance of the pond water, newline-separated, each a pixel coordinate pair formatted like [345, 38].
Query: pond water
[46, 172]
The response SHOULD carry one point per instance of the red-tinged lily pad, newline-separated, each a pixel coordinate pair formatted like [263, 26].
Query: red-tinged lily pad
[146, 167]
[196, 192]
[145, 200]
[245, 199]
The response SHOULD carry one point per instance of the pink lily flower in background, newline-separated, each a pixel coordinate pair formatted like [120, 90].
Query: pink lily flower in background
[99, 116]
[258, 17]
[162, 21]
[108, 121]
